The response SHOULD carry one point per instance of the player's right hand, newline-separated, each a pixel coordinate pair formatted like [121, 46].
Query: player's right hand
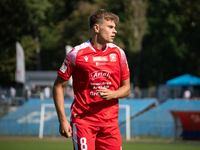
[65, 129]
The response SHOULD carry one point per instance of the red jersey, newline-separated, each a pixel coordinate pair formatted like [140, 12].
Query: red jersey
[92, 68]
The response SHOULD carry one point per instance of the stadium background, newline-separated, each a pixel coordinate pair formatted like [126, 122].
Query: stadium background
[160, 45]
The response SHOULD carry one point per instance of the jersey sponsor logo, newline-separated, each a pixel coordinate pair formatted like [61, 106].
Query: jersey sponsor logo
[102, 84]
[100, 74]
[104, 58]
[86, 58]
[113, 57]
[92, 93]
[100, 64]
[63, 68]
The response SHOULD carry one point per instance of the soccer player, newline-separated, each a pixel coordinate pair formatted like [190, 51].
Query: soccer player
[100, 77]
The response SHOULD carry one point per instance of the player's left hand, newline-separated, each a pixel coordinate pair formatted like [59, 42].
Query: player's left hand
[105, 93]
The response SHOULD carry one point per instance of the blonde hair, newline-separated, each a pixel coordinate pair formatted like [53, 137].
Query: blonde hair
[99, 15]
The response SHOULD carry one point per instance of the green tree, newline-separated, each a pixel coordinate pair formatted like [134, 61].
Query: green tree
[190, 37]
[135, 24]
[37, 11]
[51, 42]
[13, 24]
[170, 44]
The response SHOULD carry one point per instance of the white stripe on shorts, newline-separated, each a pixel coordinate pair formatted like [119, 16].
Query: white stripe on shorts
[75, 137]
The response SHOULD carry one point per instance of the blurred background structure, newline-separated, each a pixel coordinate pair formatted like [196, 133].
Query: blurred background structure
[160, 39]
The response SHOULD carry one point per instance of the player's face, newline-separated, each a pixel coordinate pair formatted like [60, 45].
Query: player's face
[107, 32]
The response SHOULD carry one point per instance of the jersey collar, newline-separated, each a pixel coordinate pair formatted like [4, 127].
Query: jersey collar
[95, 49]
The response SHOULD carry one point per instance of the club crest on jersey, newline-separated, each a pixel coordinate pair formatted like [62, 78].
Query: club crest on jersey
[100, 74]
[113, 57]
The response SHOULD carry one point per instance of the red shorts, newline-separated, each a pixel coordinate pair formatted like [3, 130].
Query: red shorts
[87, 137]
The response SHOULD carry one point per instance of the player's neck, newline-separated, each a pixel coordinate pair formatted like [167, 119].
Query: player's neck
[98, 45]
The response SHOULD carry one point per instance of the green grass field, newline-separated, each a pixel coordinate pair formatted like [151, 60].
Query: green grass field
[16, 144]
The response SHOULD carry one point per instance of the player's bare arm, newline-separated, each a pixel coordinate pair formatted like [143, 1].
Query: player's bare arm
[122, 92]
[65, 128]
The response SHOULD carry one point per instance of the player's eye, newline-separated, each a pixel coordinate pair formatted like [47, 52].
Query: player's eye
[111, 27]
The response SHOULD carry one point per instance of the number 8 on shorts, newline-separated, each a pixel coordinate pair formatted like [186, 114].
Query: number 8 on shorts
[83, 142]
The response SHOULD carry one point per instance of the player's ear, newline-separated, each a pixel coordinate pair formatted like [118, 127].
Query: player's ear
[96, 28]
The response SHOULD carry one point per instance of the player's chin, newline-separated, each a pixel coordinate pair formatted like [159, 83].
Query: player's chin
[111, 40]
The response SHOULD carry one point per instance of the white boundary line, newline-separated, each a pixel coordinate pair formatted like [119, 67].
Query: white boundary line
[128, 122]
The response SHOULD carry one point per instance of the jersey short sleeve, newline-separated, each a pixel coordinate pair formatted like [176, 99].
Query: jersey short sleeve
[125, 74]
[68, 65]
